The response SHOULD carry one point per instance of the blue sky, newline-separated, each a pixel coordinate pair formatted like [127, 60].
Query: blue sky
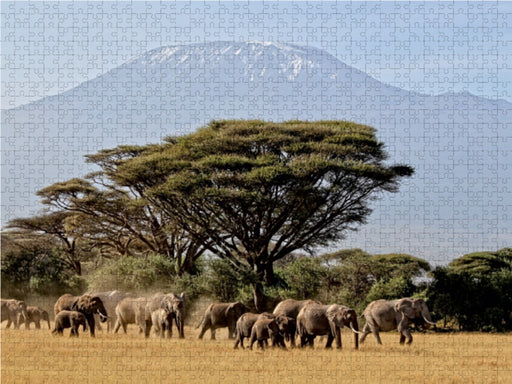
[427, 47]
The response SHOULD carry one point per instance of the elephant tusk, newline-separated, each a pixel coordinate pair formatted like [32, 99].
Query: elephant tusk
[353, 330]
[428, 322]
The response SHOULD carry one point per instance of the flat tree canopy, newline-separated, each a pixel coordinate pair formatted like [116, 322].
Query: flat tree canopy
[260, 190]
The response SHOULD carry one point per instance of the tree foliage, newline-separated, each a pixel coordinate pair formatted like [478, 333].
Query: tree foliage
[474, 291]
[259, 191]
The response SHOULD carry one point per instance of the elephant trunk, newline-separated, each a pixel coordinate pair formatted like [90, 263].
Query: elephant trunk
[355, 328]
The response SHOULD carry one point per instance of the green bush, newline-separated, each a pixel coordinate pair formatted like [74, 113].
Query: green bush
[391, 289]
[38, 271]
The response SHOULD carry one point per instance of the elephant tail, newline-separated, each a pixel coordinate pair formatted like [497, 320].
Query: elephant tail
[203, 319]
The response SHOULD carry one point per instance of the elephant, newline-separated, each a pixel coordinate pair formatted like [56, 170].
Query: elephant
[110, 300]
[384, 315]
[11, 309]
[291, 308]
[131, 311]
[87, 304]
[244, 326]
[220, 315]
[69, 319]
[245, 323]
[319, 320]
[35, 315]
[263, 329]
[162, 319]
[174, 304]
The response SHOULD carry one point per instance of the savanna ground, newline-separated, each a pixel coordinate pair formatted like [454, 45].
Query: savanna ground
[35, 356]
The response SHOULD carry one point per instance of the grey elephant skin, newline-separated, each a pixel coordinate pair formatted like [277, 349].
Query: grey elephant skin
[69, 319]
[291, 308]
[221, 315]
[86, 304]
[35, 315]
[244, 326]
[161, 320]
[326, 320]
[11, 310]
[174, 304]
[263, 329]
[110, 300]
[384, 315]
[131, 310]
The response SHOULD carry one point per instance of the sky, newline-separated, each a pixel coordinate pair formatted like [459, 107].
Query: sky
[432, 47]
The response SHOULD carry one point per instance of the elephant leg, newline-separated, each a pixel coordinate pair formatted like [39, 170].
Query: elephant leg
[376, 335]
[365, 332]
[261, 344]
[330, 339]
[204, 328]
[231, 332]
[407, 334]
[402, 339]
[91, 322]
[38, 324]
[253, 340]
[212, 333]
[237, 341]
[292, 340]
[117, 326]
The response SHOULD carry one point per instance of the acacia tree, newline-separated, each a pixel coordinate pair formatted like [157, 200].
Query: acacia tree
[119, 218]
[53, 225]
[259, 190]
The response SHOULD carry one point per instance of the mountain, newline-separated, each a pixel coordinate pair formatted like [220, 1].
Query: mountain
[458, 143]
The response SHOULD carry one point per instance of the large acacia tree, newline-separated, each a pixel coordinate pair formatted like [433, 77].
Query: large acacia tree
[258, 191]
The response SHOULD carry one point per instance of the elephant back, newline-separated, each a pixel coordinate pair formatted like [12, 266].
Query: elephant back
[65, 302]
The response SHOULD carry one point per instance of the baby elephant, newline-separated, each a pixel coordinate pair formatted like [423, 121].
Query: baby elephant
[35, 315]
[162, 322]
[69, 319]
[263, 329]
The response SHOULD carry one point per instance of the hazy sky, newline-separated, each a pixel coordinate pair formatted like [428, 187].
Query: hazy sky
[428, 47]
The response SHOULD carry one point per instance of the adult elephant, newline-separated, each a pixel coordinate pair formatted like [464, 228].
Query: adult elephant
[291, 308]
[174, 304]
[131, 310]
[319, 320]
[86, 304]
[384, 315]
[220, 315]
[11, 310]
[35, 315]
[110, 300]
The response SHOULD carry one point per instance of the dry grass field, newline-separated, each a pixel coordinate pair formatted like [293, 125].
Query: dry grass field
[35, 356]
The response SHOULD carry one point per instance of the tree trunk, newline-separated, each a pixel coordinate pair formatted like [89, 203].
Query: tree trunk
[259, 297]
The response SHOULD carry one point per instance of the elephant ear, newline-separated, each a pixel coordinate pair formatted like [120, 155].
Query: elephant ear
[84, 303]
[74, 306]
[331, 313]
[405, 307]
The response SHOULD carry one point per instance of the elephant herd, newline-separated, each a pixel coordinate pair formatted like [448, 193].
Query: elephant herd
[17, 312]
[308, 319]
[290, 318]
